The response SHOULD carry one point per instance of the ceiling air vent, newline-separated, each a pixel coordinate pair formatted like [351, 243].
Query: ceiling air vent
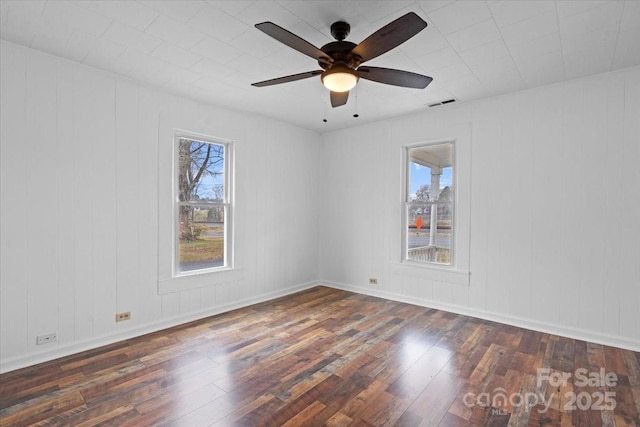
[437, 104]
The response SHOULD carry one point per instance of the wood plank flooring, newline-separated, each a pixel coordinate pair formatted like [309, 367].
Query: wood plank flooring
[329, 357]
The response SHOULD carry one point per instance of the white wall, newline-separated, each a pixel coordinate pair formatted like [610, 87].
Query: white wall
[80, 196]
[555, 209]
[80, 151]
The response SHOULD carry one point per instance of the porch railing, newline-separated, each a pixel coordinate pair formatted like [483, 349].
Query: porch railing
[438, 254]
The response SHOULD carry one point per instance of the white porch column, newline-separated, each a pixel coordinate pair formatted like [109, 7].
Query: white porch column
[435, 192]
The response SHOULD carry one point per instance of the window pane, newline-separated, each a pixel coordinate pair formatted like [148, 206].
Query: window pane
[424, 242]
[430, 204]
[428, 166]
[201, 237]
[201, 171]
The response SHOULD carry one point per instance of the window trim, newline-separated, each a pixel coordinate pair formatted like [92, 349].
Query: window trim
[453, 266]
[227, 203]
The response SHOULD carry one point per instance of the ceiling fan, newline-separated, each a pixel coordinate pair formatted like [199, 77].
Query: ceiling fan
[341, 60]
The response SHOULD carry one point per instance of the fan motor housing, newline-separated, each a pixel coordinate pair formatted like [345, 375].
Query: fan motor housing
[339, 51]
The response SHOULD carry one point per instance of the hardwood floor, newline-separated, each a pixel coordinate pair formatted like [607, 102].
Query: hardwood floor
[331, 357]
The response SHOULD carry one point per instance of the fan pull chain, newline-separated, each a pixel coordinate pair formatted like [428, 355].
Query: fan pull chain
[356, 115]
[325, 112]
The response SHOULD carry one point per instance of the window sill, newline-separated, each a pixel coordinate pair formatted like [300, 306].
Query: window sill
[431, 272]
[195, 280]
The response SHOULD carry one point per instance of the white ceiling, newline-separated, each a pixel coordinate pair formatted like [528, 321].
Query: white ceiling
[210, 50]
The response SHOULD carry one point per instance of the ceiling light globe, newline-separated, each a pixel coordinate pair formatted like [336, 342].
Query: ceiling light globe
[339, 79]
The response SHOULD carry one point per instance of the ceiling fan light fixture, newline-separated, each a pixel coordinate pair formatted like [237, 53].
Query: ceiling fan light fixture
[340, 60]
[339, 78]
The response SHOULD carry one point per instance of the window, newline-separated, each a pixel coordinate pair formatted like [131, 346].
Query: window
[202, 208]
[429, 204]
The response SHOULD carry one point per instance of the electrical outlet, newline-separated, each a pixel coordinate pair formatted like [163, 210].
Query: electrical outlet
[123, 316]
[373, 281]
[47, 338]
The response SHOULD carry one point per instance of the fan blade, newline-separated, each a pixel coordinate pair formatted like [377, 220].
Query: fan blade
[339, 98]
[394, 77]
[389, 36]
[287, 79]
[293, 41]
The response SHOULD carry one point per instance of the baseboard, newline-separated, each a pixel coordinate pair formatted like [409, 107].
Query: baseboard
[549, 328]
[13, 364]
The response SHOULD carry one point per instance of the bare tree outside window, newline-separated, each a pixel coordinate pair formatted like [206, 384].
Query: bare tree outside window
[201, 205]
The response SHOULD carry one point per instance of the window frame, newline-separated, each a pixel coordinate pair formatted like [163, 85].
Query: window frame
[227, 202]
[406, 204]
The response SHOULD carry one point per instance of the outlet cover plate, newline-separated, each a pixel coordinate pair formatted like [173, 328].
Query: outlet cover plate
[46, 338]
[126, 315]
